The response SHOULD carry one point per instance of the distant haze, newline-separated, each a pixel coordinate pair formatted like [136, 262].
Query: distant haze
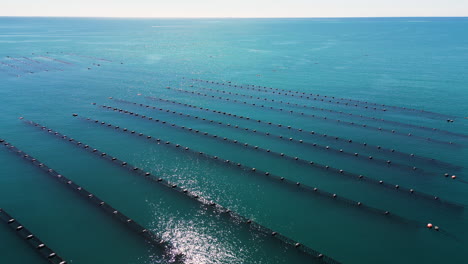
[234, 8]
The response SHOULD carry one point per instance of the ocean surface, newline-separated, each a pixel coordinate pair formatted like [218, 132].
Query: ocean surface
[266, 101]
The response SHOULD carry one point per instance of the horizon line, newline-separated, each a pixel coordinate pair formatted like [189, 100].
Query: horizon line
[228, 17]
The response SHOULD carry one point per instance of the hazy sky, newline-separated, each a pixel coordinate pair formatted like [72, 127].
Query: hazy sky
[233, 8]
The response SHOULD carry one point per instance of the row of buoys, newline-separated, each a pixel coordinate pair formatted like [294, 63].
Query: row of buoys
[387, 163]
[30, 238]
[210, 204]
[340, 99]
[412, 157]
[260, 89]
[105, 207]
[295, 159]
[353, 124]
[340, 113]
[254, 171]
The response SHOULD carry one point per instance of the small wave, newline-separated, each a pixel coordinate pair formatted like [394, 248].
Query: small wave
[166, 26]
[258, 51]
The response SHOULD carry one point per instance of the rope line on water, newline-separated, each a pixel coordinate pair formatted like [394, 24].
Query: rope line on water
[53, 59]
[105, 207]
[353, 124]
[30, 238]
[44, 66]
[89, 57]
[298, 160]
[315, 134]
[441, 131]
[15, 67]
[20, 61]
[385, 163]
[205, 202]
[35, 65]
[257, 172]
[29, 59]
[357, 102]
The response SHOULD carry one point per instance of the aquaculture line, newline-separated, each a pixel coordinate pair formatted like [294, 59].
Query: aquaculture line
[386, 163]
[296, 159]
[30, 238]
[353, 124]
[205, 202]
[93, 199]
[356, 102]
[331, 138]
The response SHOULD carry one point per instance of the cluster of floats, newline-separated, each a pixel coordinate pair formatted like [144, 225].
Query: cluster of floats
[399, 161]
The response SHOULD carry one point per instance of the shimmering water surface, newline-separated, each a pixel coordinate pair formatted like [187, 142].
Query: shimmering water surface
[51, 68]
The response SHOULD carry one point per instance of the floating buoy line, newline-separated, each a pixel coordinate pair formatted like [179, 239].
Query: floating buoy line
[411, 157]
[312, 164]
[385, 163]
[257, 172]
[205, 202]
[362, 117]
[41, 248]
[357, 102]
[148, 235]
[353, 124]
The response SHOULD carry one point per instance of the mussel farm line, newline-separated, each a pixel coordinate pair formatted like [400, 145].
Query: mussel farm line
[57, 60]
[331, 138]
[30, 238]
[352, 124]
[362, 117]
[356, 102]
[312, 164]
[84, 56]
[205, 202]
[93, 199]
[385, 163]
[257, 172]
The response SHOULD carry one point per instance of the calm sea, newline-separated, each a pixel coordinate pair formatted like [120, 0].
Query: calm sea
[51, 68]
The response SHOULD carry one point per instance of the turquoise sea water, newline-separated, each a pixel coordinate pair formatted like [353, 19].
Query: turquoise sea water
[51, 68]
